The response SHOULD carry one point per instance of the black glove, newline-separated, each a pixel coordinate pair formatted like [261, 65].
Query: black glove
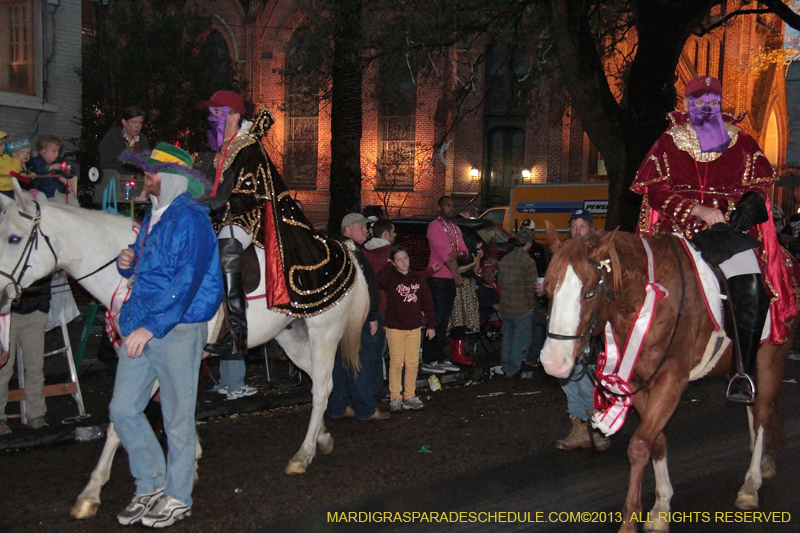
[750, 210]
[720, 242]
[213, 203]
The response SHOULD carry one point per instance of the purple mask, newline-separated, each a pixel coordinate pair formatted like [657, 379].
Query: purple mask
[216, 128]
[707, 121]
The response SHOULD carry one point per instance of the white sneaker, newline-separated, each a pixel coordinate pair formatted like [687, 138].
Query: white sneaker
[166, 512]
[220, 389]
[241, 393]
[395, 406]
[449, 366]
[141, 504]
[432, 368]
[497, 370]
[413, 403]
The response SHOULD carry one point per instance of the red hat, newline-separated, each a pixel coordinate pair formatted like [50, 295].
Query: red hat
[225, 99]
[702, 85]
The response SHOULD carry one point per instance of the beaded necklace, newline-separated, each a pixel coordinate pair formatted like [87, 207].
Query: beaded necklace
[453, 246]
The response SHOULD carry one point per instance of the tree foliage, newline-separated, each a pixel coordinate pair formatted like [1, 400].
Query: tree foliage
[624, 123]
[153, 54]
[615, 59]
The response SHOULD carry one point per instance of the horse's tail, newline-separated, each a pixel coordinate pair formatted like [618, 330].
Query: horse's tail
[351, 338]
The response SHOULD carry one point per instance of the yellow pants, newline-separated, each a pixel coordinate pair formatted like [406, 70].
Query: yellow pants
[403, 350]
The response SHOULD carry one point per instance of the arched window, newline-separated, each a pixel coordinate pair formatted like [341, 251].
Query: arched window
[216, 50]
[302, 116]
[397, 109]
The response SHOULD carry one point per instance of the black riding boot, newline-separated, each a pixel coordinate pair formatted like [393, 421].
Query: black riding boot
[235, 340]
[750, 304]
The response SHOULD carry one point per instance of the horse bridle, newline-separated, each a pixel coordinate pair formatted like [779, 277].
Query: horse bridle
[603, 291]
[604, 266]
[33, 244]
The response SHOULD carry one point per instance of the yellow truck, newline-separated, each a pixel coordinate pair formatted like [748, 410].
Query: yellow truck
[551, 201]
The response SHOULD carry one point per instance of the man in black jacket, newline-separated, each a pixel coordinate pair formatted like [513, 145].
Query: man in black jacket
[345, 384]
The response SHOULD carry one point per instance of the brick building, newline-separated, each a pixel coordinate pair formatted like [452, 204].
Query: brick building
[40, 55]
[488, 151]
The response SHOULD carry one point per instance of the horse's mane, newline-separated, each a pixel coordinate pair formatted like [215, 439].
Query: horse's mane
[622, 250]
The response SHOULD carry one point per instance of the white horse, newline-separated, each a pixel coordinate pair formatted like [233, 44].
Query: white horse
[37, 238]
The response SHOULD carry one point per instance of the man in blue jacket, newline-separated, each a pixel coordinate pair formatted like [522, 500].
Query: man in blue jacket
[176, 288]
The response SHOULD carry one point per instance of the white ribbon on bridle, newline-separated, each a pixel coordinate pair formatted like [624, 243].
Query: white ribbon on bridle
[614, 370]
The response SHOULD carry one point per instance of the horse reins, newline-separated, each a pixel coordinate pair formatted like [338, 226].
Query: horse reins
[602, 290]
[31, 244]
[602, 287]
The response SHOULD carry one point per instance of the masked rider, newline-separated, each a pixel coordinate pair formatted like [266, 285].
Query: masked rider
[237, 201]
[705, 173]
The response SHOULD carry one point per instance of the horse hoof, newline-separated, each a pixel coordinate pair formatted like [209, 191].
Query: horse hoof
[746, 502]
[768, 469]
[325, 445]
[84, 509]
[295, 468]
[658, 526]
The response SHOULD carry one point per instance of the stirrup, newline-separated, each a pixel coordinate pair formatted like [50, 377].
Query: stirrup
[741, 389]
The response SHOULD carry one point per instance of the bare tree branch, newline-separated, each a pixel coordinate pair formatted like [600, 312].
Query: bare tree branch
[704, 30]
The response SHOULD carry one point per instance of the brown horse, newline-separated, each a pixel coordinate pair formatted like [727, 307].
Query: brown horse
[601, 280]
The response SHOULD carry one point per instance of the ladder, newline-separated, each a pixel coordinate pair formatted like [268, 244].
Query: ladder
[60, 389]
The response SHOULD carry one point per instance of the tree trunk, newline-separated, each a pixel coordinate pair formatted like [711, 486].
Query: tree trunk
[346, 80]
[624, 133]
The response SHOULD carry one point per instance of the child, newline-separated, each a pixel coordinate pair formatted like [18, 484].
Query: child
[22, 151]
[7, 165]
[407, 298]
[48, 163]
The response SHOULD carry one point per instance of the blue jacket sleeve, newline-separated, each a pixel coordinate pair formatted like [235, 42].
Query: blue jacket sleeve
[136, 246]
[184, 252]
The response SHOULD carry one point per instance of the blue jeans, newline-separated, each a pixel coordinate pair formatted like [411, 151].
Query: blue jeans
[516, 341]
[579, 390]
[443, 291]
[359, 388]
[231, 371]
[175, 362]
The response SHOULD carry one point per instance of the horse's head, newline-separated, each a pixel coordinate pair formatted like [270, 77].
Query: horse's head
[25, 253]
[580, 288]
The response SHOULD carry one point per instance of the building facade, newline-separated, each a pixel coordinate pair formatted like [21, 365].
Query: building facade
[40, 56]
[413, 151]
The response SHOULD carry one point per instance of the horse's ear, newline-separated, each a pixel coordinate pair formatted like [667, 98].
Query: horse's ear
[551, 235]
[606, 241]
[24, 200]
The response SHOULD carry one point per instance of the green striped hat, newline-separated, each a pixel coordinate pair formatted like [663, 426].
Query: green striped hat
[169, 158]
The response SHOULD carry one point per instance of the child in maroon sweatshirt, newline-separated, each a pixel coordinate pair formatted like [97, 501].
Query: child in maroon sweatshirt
[409, 306]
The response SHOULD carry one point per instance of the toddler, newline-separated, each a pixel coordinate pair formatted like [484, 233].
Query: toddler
[7, 165]
[21, 150]
[409, 307]
[48, 163]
